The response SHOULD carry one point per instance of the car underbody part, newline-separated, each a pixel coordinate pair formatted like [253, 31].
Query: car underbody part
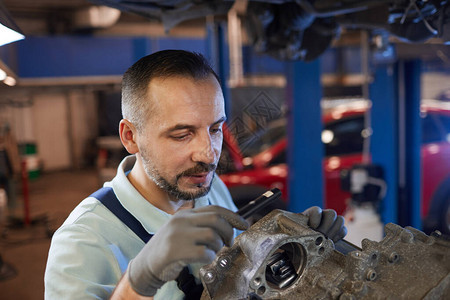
[280, 257]
[304, 29]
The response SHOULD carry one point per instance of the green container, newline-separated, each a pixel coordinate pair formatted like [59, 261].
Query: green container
[27, 148]
[29, 154]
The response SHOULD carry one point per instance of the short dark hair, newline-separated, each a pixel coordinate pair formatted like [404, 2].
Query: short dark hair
[162, 64]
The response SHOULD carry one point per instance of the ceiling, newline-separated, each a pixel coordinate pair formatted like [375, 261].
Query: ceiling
[38, 17]
[54, 17]
[51, 17]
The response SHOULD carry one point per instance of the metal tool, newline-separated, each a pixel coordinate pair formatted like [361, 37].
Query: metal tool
[259, 203]
[274, 194]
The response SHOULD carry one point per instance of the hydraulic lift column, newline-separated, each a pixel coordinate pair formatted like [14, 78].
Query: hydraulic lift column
[305, 149]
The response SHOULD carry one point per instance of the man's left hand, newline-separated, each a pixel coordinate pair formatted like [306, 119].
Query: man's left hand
[327, 222]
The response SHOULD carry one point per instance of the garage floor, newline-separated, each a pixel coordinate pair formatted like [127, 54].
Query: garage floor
[53, 196]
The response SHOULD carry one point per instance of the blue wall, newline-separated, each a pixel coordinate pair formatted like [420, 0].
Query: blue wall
[54, 56]
[88, 56]
[73, 56]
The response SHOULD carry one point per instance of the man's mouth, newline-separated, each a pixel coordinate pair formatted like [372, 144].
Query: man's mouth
[199, 178]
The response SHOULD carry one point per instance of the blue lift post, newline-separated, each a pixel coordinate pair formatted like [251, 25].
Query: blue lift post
[383, 145]
[396, 139]
[218, 55]
[305, 149]
[409, 74]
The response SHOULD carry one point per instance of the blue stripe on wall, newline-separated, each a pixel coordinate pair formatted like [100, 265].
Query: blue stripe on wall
[90, 56]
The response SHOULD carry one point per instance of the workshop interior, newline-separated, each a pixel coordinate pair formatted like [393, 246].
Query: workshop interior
[337, 104]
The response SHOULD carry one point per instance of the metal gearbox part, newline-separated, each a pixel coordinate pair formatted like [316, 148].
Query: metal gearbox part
[280, 257]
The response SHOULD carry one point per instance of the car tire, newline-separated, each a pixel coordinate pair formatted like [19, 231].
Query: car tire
[438, 217]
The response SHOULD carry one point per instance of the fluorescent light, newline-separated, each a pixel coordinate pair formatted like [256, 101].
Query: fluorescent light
[9, 31]
[6, 75]
[8, 35]
[2, 75]
[11, 81]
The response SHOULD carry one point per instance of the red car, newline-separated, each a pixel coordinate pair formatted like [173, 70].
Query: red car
[260, 161]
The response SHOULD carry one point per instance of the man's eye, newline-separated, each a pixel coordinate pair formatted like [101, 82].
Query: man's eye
[216, 130]
[180, 137]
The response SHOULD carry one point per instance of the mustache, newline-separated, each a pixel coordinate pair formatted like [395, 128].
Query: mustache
[199, 168]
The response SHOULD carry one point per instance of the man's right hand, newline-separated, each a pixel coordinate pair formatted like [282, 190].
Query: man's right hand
[191, 236]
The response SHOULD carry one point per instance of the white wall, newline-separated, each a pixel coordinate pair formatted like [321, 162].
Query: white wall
[84, 129]
[434, 83]
[51, 128]
[62, 124]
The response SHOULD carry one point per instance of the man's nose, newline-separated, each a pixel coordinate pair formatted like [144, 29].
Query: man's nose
[204, 151]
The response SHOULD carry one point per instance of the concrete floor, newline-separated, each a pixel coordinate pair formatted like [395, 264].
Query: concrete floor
[53, 195]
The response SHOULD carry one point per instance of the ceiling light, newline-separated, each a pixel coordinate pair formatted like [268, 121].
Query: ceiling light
[2, 75]
[7, 76]
[8, 35]
[9, 31]
[11, 81]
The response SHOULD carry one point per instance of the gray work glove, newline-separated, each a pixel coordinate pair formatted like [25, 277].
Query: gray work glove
[327, 222]
[191, 236]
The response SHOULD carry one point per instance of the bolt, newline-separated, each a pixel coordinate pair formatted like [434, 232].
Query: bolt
[209, 277]
[371, 275]
[436, 233]
[393, 258]
[223, 262]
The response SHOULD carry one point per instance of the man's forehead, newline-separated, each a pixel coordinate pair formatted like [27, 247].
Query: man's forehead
[167, 90]
[178, 98]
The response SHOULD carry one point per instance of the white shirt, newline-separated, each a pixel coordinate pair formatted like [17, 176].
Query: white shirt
[90, 252]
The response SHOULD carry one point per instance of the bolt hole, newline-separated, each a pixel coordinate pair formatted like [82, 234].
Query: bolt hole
[319, 240]
[284, 266]
[321, 250]
[261, 290]
[374, 256]
[257, 281]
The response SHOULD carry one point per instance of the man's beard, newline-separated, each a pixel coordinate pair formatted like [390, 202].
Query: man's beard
[172, 188]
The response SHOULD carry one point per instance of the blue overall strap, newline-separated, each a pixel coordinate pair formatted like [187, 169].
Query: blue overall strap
[185, 281]
[108, 198]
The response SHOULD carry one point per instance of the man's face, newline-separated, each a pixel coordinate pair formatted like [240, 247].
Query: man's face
[181, 143]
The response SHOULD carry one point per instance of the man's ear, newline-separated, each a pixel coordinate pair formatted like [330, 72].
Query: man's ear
[128, 136]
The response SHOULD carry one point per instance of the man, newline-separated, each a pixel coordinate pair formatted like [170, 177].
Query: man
[173, 112]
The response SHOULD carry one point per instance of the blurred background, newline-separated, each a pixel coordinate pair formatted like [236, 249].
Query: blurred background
[340, 104]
